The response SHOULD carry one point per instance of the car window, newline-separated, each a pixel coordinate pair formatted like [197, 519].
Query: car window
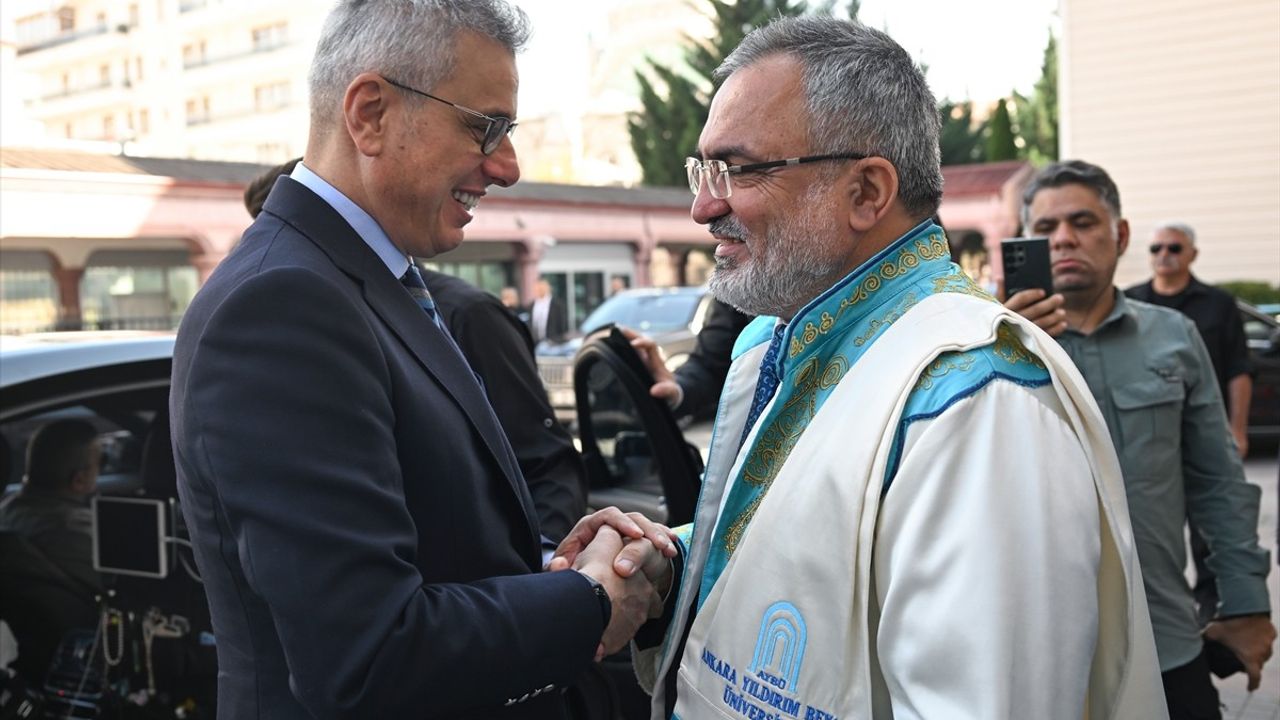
[121, 446]
[646, 313]
[619, 434]
[1257, 330]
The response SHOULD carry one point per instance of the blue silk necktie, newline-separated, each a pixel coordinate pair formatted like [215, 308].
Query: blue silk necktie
[417, 287]
[767, 383]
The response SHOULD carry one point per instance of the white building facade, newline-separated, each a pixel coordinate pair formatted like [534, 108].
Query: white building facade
[1180, 101]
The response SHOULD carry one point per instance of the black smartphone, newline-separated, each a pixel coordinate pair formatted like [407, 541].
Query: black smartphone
[1222, 661]
[1026, 265]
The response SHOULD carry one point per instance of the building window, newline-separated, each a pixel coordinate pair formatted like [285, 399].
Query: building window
[28, 293]
[101, 23]
[67, 129]
[144, 121]
[489, 276]
[133, 15]
[104, 75]
[66, 19]
[268, 37]
[137, 69]
[197, 111]
[108, 127]
[193, 54]
[137, 289]
[270, 97]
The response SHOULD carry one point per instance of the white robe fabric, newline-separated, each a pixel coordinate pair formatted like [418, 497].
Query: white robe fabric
[997, 577]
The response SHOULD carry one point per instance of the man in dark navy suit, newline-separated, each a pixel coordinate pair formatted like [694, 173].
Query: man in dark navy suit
[368, 545]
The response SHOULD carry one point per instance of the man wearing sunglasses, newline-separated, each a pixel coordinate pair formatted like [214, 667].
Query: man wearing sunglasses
[1151, 376]
[1214, 311]
[367, 543]
[1173, 249]
[910, 507]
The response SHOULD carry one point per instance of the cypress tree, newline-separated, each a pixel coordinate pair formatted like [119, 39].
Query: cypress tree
[675, 102]
[1000, 145]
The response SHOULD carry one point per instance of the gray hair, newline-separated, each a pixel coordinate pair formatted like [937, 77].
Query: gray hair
[1072, 172]
[863, 93]
[1179, 227]
[410, 41]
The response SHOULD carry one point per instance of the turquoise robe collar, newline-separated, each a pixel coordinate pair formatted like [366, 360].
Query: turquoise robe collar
[824, 339]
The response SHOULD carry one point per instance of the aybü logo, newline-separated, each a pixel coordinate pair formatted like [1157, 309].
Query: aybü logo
[780, 646]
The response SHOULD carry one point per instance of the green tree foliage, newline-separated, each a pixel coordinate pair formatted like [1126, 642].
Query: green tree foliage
[675, 101]
[1000, 145]
[667, 130]
[961, 139]
[1252, 291]
[1035, 118]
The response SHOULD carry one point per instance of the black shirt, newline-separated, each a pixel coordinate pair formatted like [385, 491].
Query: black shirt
[1217, 318]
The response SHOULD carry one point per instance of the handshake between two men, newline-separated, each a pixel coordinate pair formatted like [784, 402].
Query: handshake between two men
[631, 557]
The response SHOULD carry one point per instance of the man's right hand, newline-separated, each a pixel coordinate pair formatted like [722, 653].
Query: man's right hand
[1046, 312]
[633, 598]
[630, 525]
[664, 383]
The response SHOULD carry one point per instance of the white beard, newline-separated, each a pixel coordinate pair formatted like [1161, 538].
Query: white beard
[793, 263]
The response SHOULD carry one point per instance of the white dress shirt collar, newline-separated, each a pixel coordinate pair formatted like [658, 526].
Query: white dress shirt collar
[362, 222]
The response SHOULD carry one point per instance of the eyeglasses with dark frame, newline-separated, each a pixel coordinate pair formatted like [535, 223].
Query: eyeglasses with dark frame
[717, 172]
[497, 127]
[1173, 248]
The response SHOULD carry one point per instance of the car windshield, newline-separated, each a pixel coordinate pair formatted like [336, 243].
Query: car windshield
[646, 313]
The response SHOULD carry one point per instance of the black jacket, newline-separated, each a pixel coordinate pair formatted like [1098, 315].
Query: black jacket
[368, 546]
[499, 349]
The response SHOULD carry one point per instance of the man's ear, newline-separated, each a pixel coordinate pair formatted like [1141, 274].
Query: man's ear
[82, 482]
[366, 108]
[872, 188]
[1122, 236]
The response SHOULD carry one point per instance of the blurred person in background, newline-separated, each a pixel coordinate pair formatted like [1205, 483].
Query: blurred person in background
[51, 510]
[548, 317]
[1173, 249]
[47, 580]
[1155, 384]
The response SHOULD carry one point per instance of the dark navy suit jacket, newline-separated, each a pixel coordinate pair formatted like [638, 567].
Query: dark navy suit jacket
[367, 543]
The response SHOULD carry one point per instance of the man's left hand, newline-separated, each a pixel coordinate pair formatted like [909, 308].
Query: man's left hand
[1250, 637]
[629, 526]
[1242, 441]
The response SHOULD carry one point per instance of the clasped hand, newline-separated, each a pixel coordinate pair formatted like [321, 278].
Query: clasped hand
[630, 556]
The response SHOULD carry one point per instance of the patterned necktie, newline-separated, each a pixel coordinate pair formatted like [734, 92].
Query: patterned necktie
[767, 383]
[417, 287]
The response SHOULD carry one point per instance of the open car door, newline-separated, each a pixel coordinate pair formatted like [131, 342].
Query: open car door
[635, 454]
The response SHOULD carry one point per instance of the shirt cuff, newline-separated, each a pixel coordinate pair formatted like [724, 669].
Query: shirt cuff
[678, 400]
[1242, 596]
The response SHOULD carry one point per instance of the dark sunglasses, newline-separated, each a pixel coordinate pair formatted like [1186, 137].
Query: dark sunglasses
[497, 127]
[1173, 248]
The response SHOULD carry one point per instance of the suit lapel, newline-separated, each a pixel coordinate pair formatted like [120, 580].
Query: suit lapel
[313, 217]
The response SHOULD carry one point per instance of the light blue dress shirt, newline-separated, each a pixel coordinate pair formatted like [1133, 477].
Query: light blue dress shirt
[362, 222]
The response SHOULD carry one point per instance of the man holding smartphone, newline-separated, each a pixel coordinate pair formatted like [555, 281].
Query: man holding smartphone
[1152, 377]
